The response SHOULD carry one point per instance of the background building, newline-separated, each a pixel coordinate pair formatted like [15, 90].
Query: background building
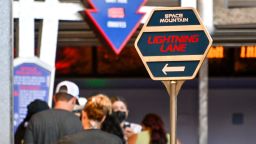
[82, 56]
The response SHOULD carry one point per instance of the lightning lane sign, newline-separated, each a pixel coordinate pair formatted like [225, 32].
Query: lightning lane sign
[173, 43]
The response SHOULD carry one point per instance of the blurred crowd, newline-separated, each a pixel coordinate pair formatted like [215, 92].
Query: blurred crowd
[100, 119]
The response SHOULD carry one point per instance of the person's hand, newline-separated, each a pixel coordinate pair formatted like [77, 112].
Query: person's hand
[128, 132]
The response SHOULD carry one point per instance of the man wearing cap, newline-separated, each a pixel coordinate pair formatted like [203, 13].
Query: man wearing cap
[49, 126]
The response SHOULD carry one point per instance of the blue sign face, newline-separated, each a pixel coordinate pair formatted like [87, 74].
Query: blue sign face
[166, 68]
[173, 44]
[116, 20]
[31, 82]
[173, 18]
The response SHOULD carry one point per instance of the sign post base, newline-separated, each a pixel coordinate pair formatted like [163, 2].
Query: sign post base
[173, 88]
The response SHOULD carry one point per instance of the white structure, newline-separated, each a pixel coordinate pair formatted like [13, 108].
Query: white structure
[6, 45]
[50, 11]
[189, 3]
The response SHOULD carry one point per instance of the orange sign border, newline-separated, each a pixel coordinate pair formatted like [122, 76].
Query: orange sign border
[174, 58]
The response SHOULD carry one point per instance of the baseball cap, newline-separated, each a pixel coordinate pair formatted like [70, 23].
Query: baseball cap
[80, 106]
[72, 88]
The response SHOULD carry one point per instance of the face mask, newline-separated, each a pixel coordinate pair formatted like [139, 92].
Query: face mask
[121, 116]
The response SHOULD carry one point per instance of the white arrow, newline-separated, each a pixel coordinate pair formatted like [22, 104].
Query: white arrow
[172, 69]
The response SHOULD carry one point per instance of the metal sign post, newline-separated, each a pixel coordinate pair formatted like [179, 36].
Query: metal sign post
[173, 44]
[173, 88]
[173, 112]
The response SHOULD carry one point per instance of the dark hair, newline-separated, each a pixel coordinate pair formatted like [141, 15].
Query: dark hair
[156, 126]
[62, 95]
[112, 125]
[34, 107]
[115, 98]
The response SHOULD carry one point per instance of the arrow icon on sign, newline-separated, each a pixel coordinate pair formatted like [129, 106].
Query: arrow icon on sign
[172, 69]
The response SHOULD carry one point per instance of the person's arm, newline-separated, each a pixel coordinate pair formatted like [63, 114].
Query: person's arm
[178, 141]
[28, 138]
[132, 139]
[19, 134]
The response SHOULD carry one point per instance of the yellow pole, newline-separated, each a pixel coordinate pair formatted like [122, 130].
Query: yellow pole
[173, 112]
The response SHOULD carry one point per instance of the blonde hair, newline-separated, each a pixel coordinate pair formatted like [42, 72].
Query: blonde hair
[98, 107]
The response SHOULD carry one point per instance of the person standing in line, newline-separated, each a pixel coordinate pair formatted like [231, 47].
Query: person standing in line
[112, 125]
[93, 115]
[153, 132]
[34, 107]
[49, 126]
[120, 110]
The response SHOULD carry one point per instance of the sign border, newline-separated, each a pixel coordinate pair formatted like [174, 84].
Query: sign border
[93, 9]
[175, 59]
[35, 60]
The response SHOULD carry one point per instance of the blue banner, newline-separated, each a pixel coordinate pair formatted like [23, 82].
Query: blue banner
[31, 81]
[116, 20]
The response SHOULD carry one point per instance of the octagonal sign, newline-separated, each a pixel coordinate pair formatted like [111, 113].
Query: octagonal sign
[173, 43]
